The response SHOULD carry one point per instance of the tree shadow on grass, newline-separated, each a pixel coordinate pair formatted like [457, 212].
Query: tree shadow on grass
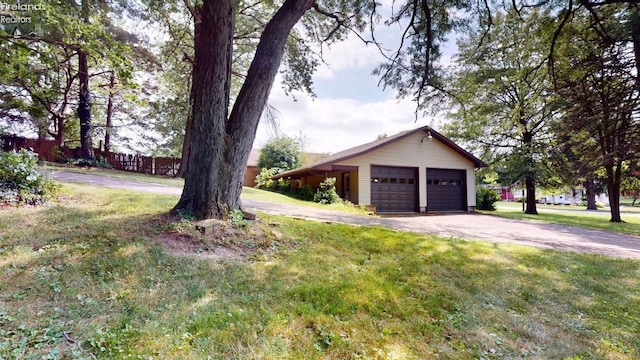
[348, 292]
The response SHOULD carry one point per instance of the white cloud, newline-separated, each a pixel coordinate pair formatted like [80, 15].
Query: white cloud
[350, 109]
[335, 124]
[351, 53]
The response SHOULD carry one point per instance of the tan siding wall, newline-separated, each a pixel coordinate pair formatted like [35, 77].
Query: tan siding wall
[412, 152]
[250, 176]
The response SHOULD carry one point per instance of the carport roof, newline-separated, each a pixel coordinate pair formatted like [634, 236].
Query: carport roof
[327, 163]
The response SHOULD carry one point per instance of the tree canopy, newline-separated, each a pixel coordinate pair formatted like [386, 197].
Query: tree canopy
[223, 57]
[282, 153]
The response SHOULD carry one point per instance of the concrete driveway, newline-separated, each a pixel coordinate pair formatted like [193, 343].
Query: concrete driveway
[463, 226]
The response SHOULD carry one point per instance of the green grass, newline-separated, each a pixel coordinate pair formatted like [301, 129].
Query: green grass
[88, 268]
[247, 192]
[572, 215]
[269, 196]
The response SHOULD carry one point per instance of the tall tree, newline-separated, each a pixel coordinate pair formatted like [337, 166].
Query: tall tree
[49, 66]
[84, 95]
[507, 97]
[602, 114]
[221, 139]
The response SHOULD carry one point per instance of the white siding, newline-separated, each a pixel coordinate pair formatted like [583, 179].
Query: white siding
[413, 151]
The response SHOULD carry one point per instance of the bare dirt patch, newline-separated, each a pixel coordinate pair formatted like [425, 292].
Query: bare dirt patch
[181, 245]
[227, 242]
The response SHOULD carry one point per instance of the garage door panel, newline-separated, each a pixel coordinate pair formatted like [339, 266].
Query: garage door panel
[446, 190]
[393, 189]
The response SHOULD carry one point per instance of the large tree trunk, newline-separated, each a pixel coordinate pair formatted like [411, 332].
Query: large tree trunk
[84, 107]
[60, 120]
[614, 177]
[531, 195]
[84, 99]
[220, 147]
[202, 194]
[635, 36]
[590, 186]
[529, 176]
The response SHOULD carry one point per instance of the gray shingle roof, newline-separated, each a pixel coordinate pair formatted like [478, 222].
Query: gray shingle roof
[371, 146]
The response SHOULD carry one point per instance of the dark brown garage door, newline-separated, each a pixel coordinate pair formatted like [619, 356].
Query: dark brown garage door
[446, 190]
[393, 189]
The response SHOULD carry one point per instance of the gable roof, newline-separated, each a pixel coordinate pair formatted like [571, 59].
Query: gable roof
[325, 164]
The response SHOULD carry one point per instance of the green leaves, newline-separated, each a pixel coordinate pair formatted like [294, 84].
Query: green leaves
[20, 181]
[282, 153]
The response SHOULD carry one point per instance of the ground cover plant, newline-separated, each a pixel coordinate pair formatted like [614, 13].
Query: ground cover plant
[93, 276]
[574, 216]
[20, 181]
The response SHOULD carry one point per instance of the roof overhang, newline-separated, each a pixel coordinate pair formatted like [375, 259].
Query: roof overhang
[328, 164]
[311, 171]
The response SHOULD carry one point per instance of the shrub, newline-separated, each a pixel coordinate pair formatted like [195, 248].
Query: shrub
[282, 186]
[486, 199]
[99, 163]
[305, 193]
[326, 193]
[20, 181]
[263, 179]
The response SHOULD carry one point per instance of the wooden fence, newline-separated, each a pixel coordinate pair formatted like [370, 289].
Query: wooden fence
[48, 150]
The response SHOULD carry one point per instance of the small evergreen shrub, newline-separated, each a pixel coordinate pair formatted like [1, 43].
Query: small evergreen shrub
[486, 199]
[20, 181]
[326, 193]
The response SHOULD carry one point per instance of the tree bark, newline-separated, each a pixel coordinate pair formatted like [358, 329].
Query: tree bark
[84, 99]
[531, 195]
[109, 124]
[220, 145]
[635, 37]
[590, 186]
[204, 187]
[614, 177]
[529, 176]
[60, 123]
[84, 107]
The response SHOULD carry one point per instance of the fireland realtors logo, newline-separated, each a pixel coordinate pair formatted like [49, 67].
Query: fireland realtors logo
[17, 13]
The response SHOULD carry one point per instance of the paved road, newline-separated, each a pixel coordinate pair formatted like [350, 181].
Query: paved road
[464, 226]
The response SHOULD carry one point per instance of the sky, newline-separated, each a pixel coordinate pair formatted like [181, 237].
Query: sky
[349, 109]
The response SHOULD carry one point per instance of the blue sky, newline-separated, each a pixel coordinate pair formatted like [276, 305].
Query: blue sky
[350, 108]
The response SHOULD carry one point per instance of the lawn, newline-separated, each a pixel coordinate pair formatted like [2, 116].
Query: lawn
[573, 215]
[247, 192]
[86, 277]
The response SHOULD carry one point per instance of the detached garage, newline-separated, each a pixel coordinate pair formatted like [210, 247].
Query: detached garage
[414, 171]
